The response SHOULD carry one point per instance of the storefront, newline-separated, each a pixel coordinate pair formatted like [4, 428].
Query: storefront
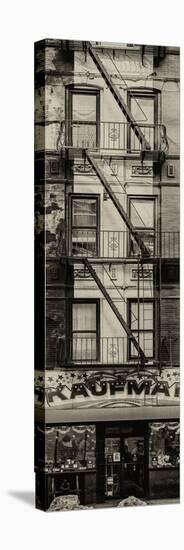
[69, 467]
[138, 458]
[128, 443]
[110, 461]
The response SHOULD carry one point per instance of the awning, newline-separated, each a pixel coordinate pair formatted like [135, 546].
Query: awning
[107, 414]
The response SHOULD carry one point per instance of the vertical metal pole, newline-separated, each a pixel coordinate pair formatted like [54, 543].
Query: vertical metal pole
[158, 332]
[56, 446]
[138, 304]
[85, 443]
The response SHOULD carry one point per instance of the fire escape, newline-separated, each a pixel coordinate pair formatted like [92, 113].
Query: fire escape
[94, 156]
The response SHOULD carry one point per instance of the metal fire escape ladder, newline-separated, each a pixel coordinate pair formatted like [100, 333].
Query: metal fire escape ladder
[118, 97]
[115, 310]
[117, 203]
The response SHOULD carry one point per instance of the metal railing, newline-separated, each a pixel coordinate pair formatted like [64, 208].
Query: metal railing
[169, 352]
[113, 136]
[120, 244]
[86, 350]
[113, 350]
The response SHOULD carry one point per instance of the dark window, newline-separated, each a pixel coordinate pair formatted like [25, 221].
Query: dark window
[142, 216]
[170, 273]
[83, 123]
[84, 212]
[164, 445]
[141, 323]
[65, 449]
[85, 330]
[144, 108]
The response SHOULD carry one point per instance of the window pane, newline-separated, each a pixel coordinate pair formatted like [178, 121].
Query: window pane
[146, 343]
[84, 317]
[83, 242]
[142, 212]
[145, 314]
[84, 107]
[84, 212]
[76, 444]
[49, 445]
[69, 447]
[142, 109]
[148, 313]
[84, 135]
[148, 239]
[84, 347]
[133, 315]
[164, 447]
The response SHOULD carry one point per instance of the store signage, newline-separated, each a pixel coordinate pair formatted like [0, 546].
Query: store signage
[66, 390]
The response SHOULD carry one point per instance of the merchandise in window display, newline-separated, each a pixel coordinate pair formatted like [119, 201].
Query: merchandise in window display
[164, 445]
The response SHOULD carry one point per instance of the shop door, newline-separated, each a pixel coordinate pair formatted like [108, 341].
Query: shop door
[124, 467]
[133, 467]
[112, 467]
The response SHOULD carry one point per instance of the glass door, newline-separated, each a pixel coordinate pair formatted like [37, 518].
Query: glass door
[133, 467]
[112, 467]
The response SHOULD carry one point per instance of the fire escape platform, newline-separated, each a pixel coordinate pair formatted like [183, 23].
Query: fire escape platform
[73, 153]
[101, 260]
[78, 152]
[113, 365]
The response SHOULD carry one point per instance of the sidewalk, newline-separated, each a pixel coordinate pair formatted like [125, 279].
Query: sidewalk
[114, 503]
[163, 501]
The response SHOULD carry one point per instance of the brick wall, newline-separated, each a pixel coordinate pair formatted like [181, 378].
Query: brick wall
[55, 331]
[170, 209]
[170, 325]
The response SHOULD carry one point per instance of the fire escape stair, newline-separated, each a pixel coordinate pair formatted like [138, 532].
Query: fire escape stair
[93, 162]
[115, 310]
[118, 97]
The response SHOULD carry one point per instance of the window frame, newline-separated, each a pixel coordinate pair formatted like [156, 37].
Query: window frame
[146, 93]
[154, 453]
[142, 229]
[84, 196]
[86, 301]
[83, 91]
[152, 331]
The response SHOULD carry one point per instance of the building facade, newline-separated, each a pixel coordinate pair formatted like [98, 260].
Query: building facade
[107, 232]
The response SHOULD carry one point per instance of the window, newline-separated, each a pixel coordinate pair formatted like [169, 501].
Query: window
[140, 318]
[85, 330]
[170, 273]
[66, 448]
[143, 105]
[83, 123]
[164, 445]
[84, 211]
[142, 216]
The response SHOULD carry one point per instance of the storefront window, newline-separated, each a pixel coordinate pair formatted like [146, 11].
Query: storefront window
[69, 448]
[164, 445]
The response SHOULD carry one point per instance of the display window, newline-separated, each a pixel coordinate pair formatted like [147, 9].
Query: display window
[68, 448]
[164, 445]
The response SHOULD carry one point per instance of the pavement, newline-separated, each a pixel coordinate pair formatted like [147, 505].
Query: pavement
[114, 502]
